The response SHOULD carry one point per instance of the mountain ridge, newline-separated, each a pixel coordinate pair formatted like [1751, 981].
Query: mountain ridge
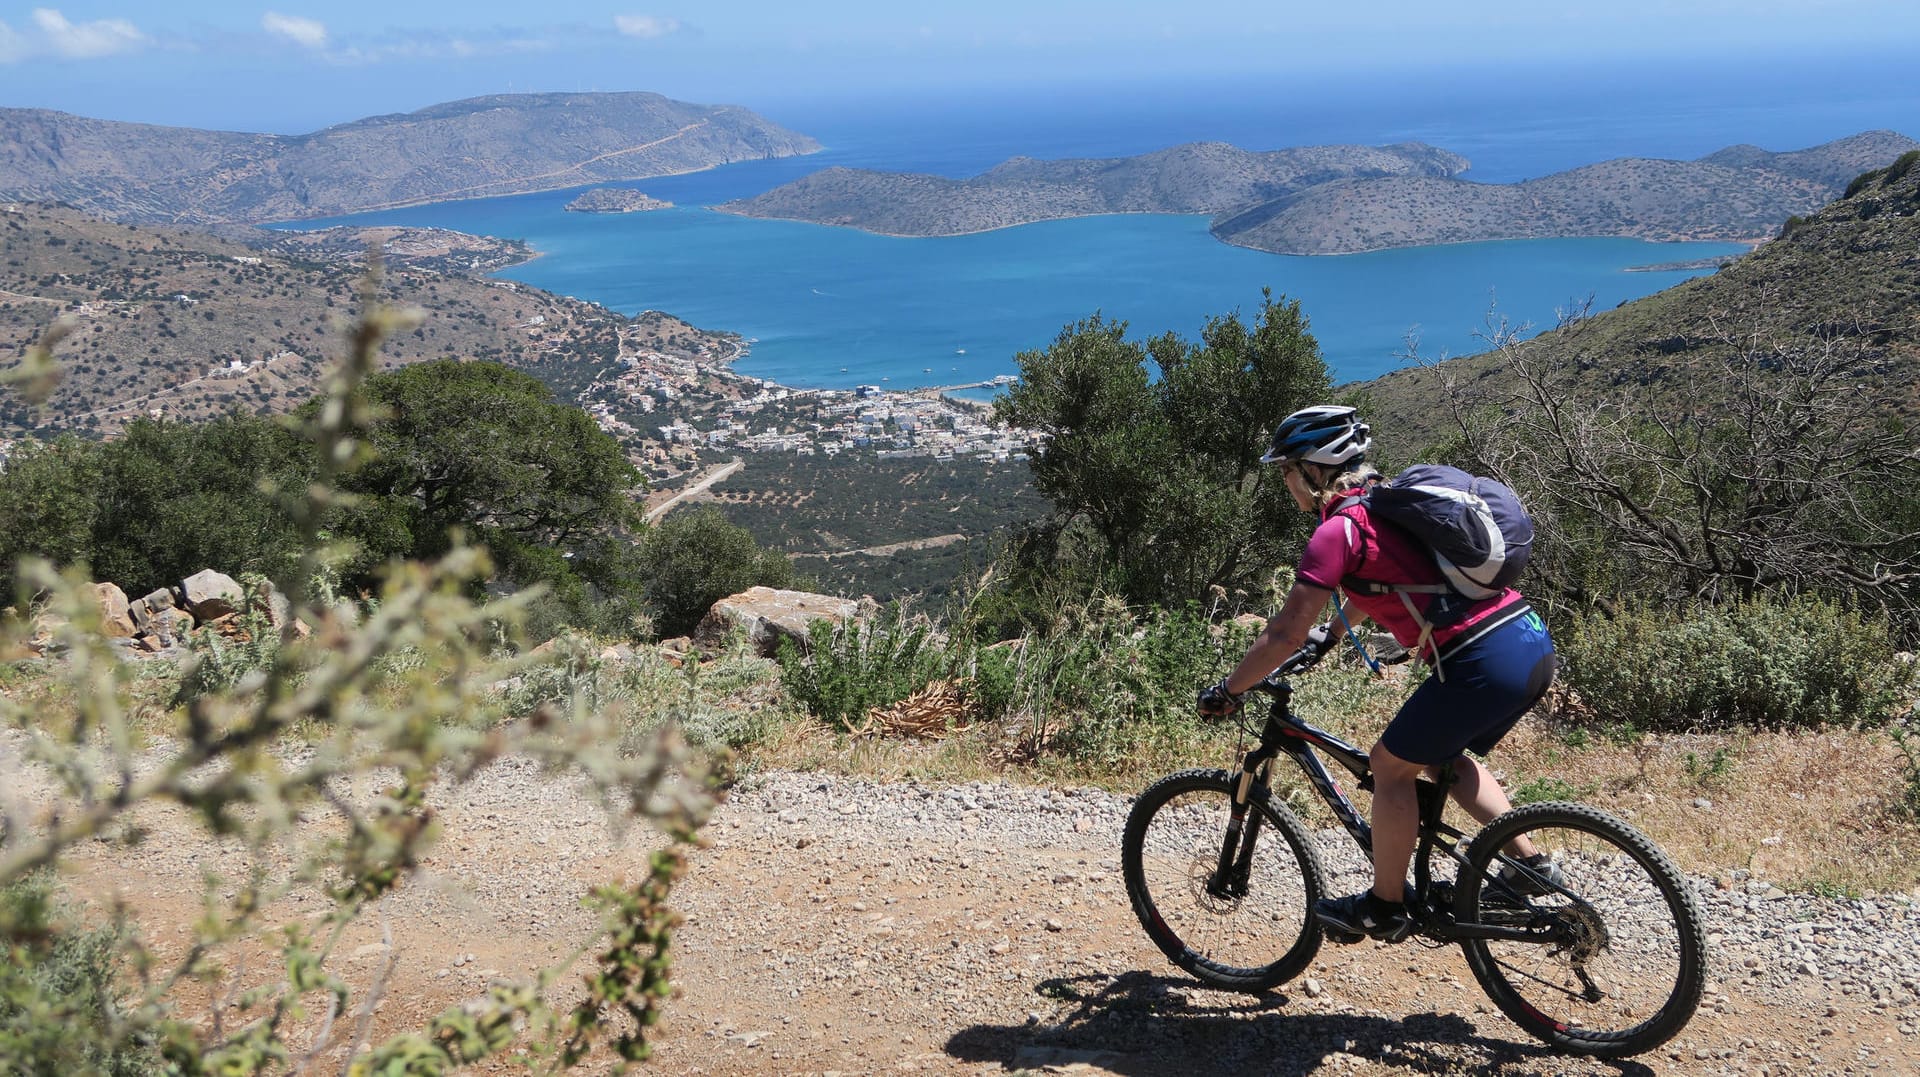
[476, 147]
[1347, 199]
[1738, 193]
[1193, 177]
[1841, 282]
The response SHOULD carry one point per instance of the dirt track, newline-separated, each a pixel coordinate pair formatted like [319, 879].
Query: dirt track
[841, 926]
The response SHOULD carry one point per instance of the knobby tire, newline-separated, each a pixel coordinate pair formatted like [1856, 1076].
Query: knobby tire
[1633, 974]
[1170, 851]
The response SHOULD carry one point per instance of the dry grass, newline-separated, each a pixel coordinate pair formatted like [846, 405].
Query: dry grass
[1803, 810]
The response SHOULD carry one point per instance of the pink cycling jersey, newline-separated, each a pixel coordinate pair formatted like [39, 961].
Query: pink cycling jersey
[1348, 544]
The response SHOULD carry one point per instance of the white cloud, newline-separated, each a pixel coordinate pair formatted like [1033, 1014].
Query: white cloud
[645, 26]
[13, 45]
[87, 40]
[307, 32]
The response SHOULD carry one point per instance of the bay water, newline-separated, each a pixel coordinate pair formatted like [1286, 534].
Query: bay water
[835, 307]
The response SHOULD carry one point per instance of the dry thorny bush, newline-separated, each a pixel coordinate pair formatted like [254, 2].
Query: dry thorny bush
[1756, 472]
[226, 765]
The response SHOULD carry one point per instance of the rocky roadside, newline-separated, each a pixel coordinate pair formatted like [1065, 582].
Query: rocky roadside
[842, 926]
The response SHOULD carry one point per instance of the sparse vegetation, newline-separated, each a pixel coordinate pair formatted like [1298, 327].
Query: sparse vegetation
[390, 691]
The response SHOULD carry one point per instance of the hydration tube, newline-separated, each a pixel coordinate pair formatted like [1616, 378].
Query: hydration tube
[1340, 609]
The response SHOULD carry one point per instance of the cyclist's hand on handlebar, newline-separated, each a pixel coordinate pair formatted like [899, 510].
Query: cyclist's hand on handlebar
[1217, 702]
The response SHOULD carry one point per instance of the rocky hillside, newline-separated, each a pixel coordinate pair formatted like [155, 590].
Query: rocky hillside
[191, 325]
[1843, 280]
[1737, 193]
[503, 144]
[1200, 177]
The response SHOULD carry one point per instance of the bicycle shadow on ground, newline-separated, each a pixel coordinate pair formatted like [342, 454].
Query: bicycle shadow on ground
[1143, 1025]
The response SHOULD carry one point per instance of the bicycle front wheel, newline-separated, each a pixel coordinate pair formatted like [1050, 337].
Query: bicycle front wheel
[1248, 929]
[1620, 962]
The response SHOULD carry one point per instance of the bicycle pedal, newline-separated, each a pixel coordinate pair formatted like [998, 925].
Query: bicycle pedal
[1342, 938]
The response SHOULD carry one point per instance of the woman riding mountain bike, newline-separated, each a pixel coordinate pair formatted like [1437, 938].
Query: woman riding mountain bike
[1490, 663]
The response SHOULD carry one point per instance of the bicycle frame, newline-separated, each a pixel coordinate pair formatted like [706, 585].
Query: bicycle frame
[1286, 733]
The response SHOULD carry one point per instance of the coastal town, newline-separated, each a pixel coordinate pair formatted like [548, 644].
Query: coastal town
[674, 410]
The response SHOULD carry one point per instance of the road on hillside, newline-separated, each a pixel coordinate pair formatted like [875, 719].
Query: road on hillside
[706, 482]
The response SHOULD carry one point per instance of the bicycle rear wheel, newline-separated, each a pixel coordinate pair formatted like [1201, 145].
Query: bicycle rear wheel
[1238, 938]
[1625, 965]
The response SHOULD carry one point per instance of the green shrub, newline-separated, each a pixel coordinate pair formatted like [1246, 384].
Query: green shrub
[693, 559]
[1907, 799]
[1104, 677]
[220, 665]
[1549, 788]
[58, 1013]
[1793, 663]
[848, 670]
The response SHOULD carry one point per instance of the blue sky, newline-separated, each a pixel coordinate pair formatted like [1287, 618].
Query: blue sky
[296, 65]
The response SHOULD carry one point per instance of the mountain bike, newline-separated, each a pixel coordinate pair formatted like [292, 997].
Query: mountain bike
[1605, 956]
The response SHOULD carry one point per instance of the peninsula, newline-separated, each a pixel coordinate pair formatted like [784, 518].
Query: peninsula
[1346, 199]
[1198, 177]
[615, 200]
[481, 147]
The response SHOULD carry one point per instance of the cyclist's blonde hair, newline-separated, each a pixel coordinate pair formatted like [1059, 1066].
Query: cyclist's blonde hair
[1327, 484]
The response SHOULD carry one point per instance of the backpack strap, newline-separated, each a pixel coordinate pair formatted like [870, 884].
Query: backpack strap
[1404, 590]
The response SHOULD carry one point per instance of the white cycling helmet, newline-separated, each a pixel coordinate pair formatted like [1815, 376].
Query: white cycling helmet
[1322, 434]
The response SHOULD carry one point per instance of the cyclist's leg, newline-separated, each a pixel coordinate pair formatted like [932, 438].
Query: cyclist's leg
[1513, 667]
[1396, 820]
[1478, 793]
[1490, 684]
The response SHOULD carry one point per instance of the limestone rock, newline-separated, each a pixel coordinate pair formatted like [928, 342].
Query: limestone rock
[767, 616]
[142, 609]
[211, 594]
[116, 622]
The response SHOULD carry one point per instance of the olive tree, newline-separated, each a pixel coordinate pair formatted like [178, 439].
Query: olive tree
[1154, 447]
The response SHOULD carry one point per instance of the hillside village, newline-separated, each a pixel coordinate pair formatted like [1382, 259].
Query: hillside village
[686, 404]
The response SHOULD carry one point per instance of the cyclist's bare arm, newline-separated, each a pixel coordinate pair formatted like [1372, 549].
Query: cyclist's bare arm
[1284, 634]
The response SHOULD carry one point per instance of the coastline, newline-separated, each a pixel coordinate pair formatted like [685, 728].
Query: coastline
[1750, 242]
[413, 203]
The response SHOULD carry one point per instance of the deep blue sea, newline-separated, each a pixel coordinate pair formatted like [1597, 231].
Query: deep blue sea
[836, 307]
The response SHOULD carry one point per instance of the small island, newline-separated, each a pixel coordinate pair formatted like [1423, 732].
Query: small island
[615, 200]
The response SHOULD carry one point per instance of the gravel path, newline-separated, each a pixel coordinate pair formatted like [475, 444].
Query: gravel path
[842, 926]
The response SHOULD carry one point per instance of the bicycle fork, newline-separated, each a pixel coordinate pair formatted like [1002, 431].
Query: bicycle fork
[1229, 879]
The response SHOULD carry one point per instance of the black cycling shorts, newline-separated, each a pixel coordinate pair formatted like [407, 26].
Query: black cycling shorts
[1490, 682]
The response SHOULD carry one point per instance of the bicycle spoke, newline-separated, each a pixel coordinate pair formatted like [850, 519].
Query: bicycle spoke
[1619, 967]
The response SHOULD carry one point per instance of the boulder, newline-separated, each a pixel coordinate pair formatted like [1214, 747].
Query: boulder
[211, 594]
[116, 621]
[768, 616]
[142, 609]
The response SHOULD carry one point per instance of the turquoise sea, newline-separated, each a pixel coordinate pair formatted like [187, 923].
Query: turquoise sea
[836, 307]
